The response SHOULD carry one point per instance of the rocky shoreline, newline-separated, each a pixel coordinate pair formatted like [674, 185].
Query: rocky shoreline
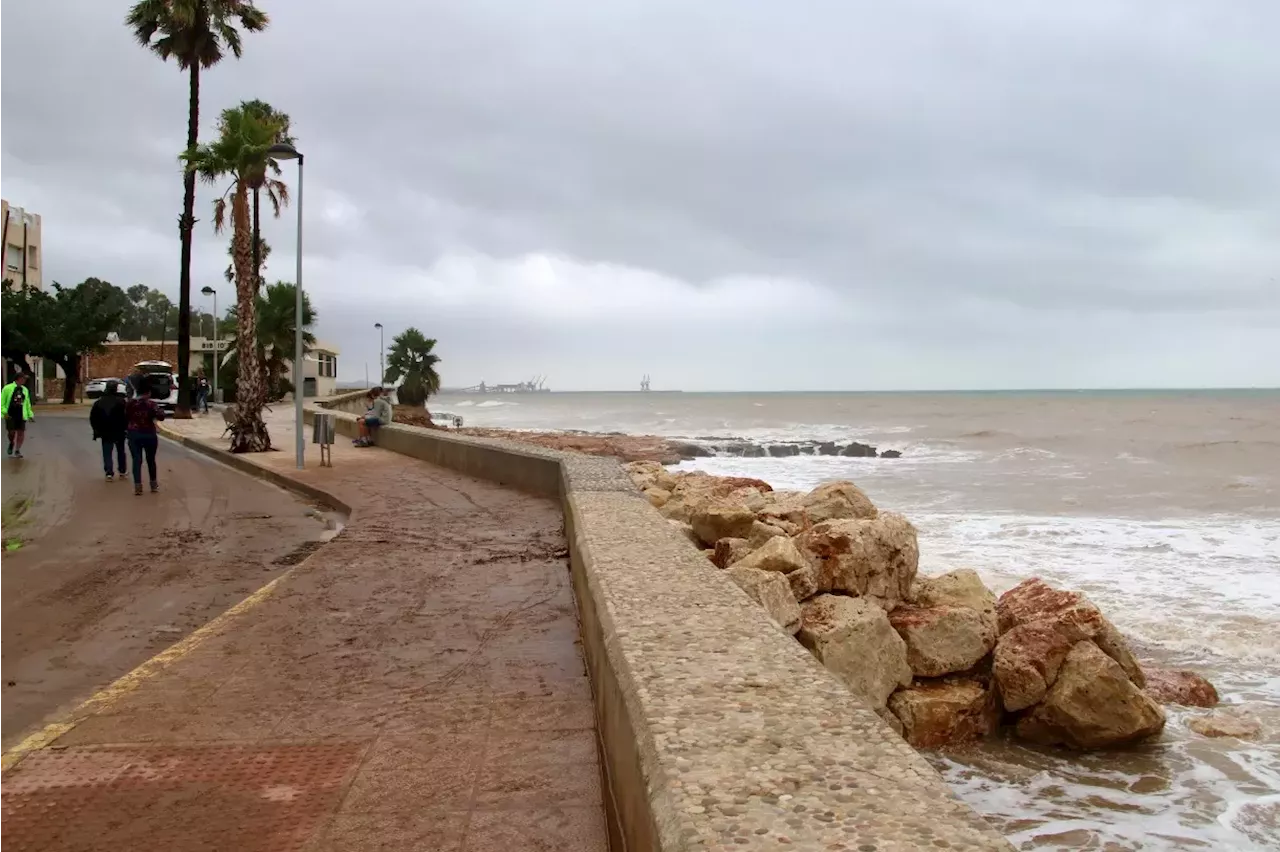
[942, 659]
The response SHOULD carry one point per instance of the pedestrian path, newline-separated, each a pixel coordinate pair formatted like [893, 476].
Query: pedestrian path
[417, 684]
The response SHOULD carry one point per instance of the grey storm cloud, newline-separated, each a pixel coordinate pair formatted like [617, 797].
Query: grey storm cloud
[734, 194]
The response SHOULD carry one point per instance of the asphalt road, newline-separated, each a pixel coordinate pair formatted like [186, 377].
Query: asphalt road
[105, 579]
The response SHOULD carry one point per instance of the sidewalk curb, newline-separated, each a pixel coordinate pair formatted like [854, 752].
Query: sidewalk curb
[245, 466]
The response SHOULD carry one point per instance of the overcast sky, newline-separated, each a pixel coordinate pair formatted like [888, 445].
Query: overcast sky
[725, 194]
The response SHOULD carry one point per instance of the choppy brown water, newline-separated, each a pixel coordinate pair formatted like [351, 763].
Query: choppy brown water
[1164, 507]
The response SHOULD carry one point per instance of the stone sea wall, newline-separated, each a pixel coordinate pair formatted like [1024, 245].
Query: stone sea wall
[941, 659]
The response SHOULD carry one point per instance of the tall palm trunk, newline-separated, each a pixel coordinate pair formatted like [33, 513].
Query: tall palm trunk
[185, 227]
[248, 432]
[267, 377]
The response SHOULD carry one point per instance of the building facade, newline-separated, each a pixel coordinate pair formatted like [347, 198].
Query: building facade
[23, 262]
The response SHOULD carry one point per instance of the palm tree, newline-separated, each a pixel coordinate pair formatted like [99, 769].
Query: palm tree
[240, 152]
[196, 34]
[277, 308]
[275, 336]
[411, 358]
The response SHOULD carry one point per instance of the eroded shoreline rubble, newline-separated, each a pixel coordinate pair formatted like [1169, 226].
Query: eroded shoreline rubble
[941, 659]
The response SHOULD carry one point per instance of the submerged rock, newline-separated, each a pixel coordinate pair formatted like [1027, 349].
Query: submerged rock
[890, 454]
[1173, 686]
[853, 638]
[1092, 704]
[1226, 723]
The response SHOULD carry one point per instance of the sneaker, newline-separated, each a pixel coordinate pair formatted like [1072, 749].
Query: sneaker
[155, 487]
[137, 489]
[111, 477]
[17, 454]
[9, 451]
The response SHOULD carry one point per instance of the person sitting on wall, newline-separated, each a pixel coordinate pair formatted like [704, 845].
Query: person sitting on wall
[380, 413]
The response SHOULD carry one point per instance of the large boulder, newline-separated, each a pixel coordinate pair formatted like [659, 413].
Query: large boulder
[762, 532]
[854, 639]
[837, 501]
[716, 520]
[1035, 600]
[962, 587]
[875, 558]
[783, 509]
[804, 582]
[950, 711]
[729, 550]
[1028, 658]
[1092, 704]
[772, 591]
[776, 554]
[658, 497]
[943, 639]
[1173, 686]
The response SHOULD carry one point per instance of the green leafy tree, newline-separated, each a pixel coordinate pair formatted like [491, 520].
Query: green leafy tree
[196, 34]
[63, 325]
[240, 154]
[413, 360]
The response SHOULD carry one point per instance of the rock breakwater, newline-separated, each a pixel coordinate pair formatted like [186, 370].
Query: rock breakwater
[942, 659]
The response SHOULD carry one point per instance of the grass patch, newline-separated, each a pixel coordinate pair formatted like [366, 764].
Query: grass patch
[13, 517]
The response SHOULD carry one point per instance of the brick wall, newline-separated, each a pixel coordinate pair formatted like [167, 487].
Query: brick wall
[119, 358]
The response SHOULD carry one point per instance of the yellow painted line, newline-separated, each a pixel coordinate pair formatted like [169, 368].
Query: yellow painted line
[104, 698]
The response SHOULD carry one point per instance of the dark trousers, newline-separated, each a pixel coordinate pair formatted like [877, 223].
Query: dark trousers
[143, 443]
[202, 401]
[109, 446]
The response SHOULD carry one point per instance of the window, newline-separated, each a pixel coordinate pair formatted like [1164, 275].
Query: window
[31, 257]
[326, 365]
[13, 258]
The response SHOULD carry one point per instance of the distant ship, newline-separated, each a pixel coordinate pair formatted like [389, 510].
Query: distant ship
[538, 384]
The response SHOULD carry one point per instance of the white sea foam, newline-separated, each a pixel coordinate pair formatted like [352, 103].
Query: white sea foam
[495, 403]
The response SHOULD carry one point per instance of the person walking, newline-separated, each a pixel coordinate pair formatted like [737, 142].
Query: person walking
[15, 401]
[110, 426]
[202, 394]
[141, 414]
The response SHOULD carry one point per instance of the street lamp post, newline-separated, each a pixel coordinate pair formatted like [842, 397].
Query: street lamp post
[382, 355]
[285, 151]
[209, 291]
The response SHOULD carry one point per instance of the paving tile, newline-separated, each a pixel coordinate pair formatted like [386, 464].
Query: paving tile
[423, 773]
[542, 714]
[543, 830]
[506, 786]
[392, 832]
[542, 748]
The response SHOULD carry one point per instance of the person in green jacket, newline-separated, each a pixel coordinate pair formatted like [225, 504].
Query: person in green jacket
[15, 401]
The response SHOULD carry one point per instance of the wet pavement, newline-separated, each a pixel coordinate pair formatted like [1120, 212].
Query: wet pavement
[417, 684]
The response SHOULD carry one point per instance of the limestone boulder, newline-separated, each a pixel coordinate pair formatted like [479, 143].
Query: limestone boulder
[729, 550]
[772, 591]
[716, 520]
[1035, 600]
[1028, 658]
[762, 532]
[804, 582]
[784, 509]
[658, 497]
[839, 500]
[1092, 705]
[962, 587]
[776, 554]
[853, 638]
[949, 711]
[944, 639]
[1174, 686]
[874, 558]
[1226, 723]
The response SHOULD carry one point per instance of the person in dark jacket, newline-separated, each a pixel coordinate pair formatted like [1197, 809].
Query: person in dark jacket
[109, 422]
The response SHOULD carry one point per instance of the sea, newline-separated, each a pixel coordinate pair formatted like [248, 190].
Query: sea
[1162, 506]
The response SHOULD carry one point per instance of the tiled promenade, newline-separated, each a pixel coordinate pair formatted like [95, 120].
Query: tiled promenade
[417, 684]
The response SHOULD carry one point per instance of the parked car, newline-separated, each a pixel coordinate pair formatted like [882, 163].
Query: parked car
[164, 384]
[97, 387]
